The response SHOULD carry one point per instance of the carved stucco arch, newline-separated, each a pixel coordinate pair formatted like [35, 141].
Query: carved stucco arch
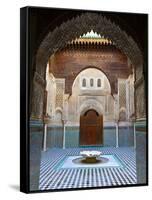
[72, 29]
[91, 104]
[122, 114]
[58, 110]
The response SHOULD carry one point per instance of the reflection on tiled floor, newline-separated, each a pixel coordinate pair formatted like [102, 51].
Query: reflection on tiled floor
[54, 176]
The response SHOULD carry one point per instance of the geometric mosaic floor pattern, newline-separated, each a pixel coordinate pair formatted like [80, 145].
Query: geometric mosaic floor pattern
[52, 176]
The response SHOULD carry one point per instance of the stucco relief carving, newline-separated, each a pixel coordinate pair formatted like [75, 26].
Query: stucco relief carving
[37, 101]
[51, 95]
[116, 107]
[140, 101]
[72, 29]
[122, 114]
[65, 106]
[39, 80]
[60, 87]
[75, 27]
[90, 104]
[130, 94]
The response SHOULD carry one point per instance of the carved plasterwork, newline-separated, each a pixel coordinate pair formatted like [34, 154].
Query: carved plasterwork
[37, 102]
[38, 79]
[70, 30]
[74, 28]
[91, 104]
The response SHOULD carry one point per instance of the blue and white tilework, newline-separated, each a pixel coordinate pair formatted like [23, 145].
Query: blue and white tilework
[53, 176]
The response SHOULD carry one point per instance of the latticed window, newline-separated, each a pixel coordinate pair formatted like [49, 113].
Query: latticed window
[99, 83]
[91, 82]
[84, 82]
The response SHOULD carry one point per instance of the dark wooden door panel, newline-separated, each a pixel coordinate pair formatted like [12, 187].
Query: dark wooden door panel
[91, 128]
[91, 136]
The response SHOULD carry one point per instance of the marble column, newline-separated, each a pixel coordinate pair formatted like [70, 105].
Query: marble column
[117, 135]
[45, 137]
[134, 135]
[64, 134]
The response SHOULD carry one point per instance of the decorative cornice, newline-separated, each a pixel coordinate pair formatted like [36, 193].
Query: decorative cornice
[91, 41]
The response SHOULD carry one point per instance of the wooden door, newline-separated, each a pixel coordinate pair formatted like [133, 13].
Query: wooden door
[91, 128]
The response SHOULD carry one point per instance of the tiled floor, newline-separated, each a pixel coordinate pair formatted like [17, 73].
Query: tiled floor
[53, 176]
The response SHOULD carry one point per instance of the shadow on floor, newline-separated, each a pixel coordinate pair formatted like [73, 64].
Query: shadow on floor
[15, 187]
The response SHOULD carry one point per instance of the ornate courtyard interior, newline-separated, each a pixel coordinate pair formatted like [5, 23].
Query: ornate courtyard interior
[88, 94]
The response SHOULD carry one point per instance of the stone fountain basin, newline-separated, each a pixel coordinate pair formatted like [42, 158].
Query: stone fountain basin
[90, 156]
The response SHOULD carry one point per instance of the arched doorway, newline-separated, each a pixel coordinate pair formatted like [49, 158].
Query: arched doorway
[91, 128]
